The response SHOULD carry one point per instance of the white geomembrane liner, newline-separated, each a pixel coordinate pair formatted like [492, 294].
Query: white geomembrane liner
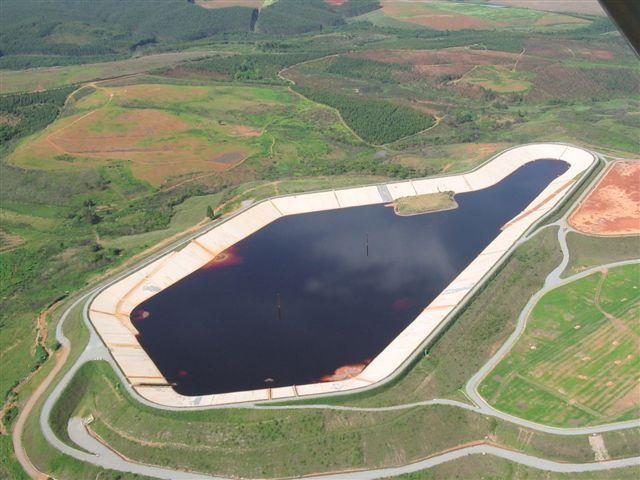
[109, 312]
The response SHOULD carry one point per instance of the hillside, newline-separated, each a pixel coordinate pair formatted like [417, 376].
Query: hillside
[70, 31]
[286, 17]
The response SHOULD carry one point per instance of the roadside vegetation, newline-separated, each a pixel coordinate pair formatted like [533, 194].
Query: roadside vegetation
[588, 251]
[296, 442]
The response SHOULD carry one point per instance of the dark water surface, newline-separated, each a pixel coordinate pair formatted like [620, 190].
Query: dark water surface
[219, 329]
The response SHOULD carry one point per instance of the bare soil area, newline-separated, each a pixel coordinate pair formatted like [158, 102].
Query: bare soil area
[613, 207]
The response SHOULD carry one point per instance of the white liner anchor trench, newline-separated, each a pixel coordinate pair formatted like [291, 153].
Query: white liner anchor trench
[109, 312]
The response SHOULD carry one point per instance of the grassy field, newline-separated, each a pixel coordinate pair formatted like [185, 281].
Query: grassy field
[296, 442]
[451, 16]
[576, 363]
[169, 133]
[430, 202]
[587, 251]
[498, 79]
[51, 77]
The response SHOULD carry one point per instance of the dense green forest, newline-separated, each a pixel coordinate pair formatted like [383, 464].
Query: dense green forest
[293, 16]
[375, 121]
[365, 68]
[77, 28]
[24, 113]
[262, 68]
[34, 33]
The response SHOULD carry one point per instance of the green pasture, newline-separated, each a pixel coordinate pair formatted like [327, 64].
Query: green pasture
[576, 363]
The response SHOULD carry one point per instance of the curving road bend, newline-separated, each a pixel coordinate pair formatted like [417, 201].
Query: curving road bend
[103, 456]
[79, 434]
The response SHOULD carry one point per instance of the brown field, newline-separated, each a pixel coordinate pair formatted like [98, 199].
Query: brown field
[591, 7]
[230, 3]
[160, 147]
[421, 14]
[9, 241]
[613, 207]
[570, 49]
[160, 94]
[244, 131]
[454, 61]
[553, 19]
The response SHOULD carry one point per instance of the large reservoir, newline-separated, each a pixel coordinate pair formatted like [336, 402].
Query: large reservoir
[314, 297]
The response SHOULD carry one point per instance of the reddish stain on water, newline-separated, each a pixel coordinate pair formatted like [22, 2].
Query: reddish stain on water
[139, 314]
[224, 259]
[346, 371]
[403, 303]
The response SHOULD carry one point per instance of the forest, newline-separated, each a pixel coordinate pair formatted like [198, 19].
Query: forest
[365, 68]
[77, 28]
[261, 67]
[375, 121]
[286, 17]
[26, 113]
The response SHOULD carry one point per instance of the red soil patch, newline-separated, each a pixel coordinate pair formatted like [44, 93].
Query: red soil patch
[454, 61]
[123, 131]
[345, 372]
[158, 94]
[244, 131]
[595, 53]
[554, 19]
[613, 207]
[146, 138]
[572, 6]
[334, 2]
[420, 14]
[450, 21]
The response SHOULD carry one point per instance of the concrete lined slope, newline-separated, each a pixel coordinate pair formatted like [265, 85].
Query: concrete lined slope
[110, 311]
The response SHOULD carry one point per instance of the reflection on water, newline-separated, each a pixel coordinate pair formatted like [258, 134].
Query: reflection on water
[302, 300]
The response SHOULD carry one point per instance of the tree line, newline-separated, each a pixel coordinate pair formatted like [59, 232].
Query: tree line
[106, 27]
[290, 17]
[25, 113]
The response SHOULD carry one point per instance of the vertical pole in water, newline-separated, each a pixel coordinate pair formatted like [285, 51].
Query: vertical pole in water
[367, 243]
[279, 306]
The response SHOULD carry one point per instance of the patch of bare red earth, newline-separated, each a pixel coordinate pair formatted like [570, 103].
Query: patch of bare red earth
[613, 207]
[431, 63]
[433, 18]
